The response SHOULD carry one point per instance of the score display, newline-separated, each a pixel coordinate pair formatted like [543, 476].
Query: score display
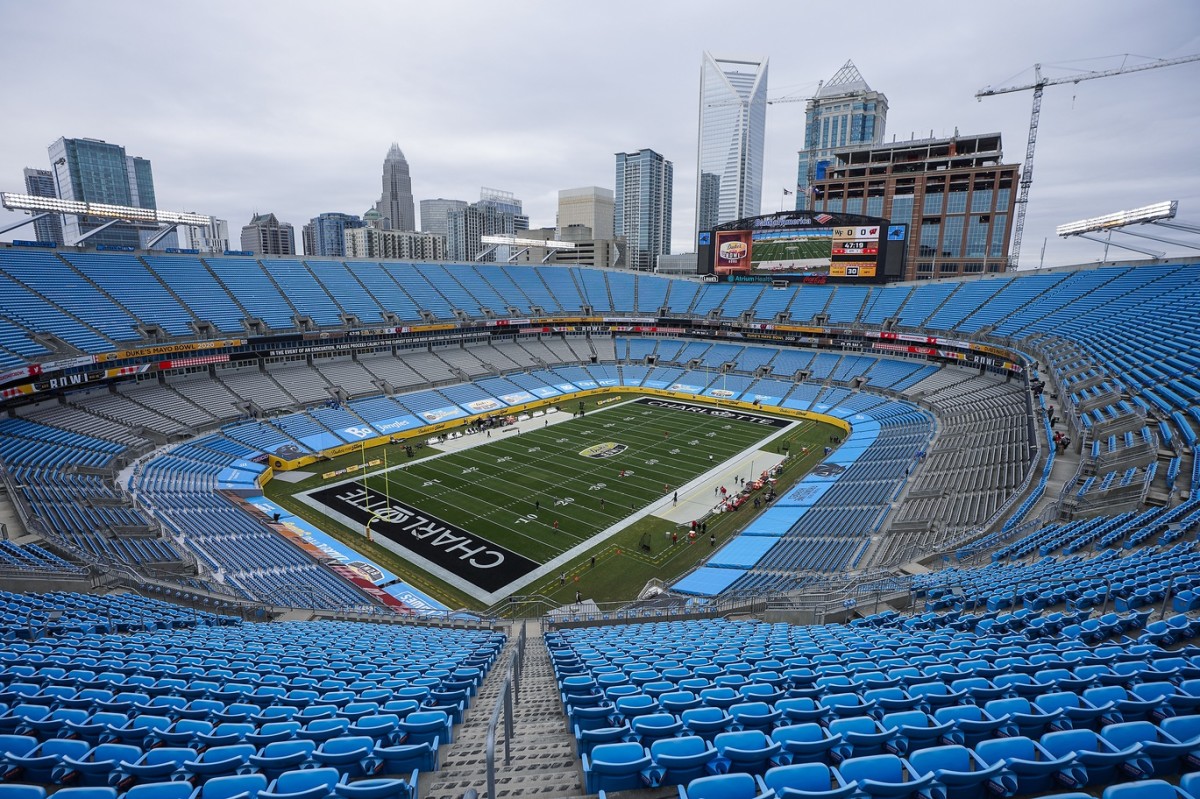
[804, 246]
[854, 251]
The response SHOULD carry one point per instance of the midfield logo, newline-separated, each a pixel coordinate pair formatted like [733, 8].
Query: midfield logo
[606, 450]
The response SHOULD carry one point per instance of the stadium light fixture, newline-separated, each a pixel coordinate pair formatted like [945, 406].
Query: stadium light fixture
[29, 202]
[1148, 213]
[521, 242]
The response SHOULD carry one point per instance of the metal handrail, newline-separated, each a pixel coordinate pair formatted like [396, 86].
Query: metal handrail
[510, 691]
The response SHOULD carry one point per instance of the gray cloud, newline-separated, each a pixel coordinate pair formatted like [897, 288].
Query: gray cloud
[290, 106]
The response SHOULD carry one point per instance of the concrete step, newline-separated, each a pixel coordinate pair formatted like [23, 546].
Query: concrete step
[543, 760]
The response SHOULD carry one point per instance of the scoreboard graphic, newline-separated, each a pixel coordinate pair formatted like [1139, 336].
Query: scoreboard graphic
[801, 246]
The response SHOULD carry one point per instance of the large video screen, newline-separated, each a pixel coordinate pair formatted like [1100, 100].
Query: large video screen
[799, 245]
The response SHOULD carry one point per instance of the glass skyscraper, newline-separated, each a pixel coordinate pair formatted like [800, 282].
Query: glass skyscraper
[325, 234]
[733, 121]
[40, 183]
[396, 204]
[94, 171]
[845, 112]
[642, 207]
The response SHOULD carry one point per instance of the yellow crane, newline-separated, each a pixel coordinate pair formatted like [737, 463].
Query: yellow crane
[1039, 83]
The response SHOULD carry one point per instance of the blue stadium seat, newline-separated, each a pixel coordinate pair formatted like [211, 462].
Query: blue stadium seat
[971, 723]
[655, 726]
[747, 751]
[861, 736]
[916, 730]
[232, 786]
[161, 764]
[159, 790]
[680, 760]
[706, 722]
[317, 783]
[962, 773]
[380, 788]
[1145, 789]
[351, 755]
[280, 756]
[43, 763]
[806, 781]
[97, 765]
[1035, 769]
[220, 761]
[807, 743]
[1166, 753]
[1099, 759]
[724, 786]
[617, 767]
[885, 777]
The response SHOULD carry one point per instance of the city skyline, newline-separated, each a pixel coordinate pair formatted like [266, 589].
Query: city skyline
[231, 128]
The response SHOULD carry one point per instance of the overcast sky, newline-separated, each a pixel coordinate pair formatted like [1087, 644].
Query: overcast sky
[290, 107]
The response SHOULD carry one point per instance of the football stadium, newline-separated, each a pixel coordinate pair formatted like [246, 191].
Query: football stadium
[315, 527]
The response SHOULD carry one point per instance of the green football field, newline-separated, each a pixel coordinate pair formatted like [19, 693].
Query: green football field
[435, 514]
[512, 489]
[791, 250]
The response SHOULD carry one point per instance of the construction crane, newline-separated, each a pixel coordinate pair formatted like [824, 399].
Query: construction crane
[1040, 83]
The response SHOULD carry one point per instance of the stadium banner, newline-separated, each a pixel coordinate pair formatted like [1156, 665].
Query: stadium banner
[417, 600]
[370, 589]
[12, 375]
[715, 412]
[16, 391]
[169, 349]
[418, 535]
[395, 424]
[326, 547]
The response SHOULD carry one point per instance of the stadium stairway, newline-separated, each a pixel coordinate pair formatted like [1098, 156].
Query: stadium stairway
[544, 762]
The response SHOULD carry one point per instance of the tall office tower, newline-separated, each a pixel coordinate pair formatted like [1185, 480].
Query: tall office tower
[643, 201]
[266, 235]
[434, 213]
[845, 112]
[40, 183]
[590, 206]
[396, 204]
[498, 213]
[733, 122]
[325, 234]
[94, 171]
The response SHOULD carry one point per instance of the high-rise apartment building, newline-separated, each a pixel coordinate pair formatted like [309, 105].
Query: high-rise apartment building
[325, 234]
[955, 194]
[733, 123]
[40, 183]
[266, 235]
[94, 171]
[591, 206]
[396, 204]
[643, 204]
[435, 212]
[498, 213]
[212, 238]
[365, 241]
[845, 112]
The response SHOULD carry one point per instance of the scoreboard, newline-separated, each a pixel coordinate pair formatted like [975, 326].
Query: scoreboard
[854, 251]
[804, 246]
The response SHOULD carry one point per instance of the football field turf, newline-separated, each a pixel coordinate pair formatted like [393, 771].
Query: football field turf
[490, 514]
[794, 250]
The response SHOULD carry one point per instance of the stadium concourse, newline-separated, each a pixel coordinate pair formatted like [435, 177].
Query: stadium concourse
[951, 604]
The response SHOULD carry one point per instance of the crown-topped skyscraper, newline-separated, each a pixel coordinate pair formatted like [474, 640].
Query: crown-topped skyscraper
[844, 112]
[396, 204]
